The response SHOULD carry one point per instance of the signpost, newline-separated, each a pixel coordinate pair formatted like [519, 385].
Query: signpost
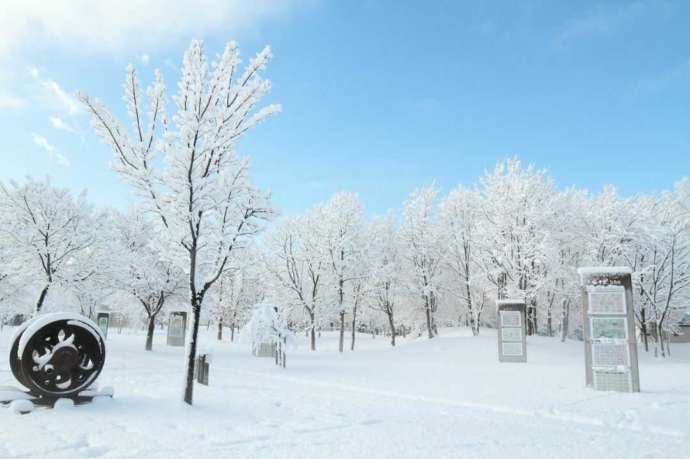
[512, 343]
[609, 328]
[177, 327]
[201, 368]
[103, 320]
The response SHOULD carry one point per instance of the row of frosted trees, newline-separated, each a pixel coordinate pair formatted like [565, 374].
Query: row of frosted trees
[446, 259]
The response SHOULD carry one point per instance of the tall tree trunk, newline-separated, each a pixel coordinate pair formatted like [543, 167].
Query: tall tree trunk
[468, 296]
[354, 320]
[191, 351]
[477, 321]
[42, 298]
[392, 325]
[473, 326]
[341, 343]
[549, 325]
[565, 313]
[660, 333]
[501, 286]
[284, 351]
[643, 328]
[149, 332]
[428, 318]
[341, 294]
[220, 329]
[532, 317]
[312, 331]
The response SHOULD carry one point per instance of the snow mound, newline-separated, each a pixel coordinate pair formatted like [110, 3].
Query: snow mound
[63, 404]
[7, 394]
[22, 406]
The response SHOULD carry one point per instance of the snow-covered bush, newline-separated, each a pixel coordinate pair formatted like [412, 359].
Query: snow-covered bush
[266, 329]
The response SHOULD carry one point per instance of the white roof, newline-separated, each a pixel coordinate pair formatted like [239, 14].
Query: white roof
[510, 301]
[593, 270]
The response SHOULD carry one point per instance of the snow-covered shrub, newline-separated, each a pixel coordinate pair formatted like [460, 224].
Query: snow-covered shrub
[266, 330]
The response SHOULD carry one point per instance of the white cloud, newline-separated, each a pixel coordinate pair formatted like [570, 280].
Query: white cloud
[145, 59]
[61, 159]
[50, 148]
[114, 24]
[43, 143]
[59, 123]
[54, 95]
[10, 102]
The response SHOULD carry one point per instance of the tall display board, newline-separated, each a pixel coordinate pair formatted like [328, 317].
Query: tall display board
[177, 328]
[103, 320]
[609, 329]
[512, 343]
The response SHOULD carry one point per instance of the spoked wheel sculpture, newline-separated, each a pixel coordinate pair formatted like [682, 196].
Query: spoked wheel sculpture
[58, 356]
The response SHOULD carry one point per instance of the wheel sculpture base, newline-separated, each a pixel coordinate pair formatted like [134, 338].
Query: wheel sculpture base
[9, 395]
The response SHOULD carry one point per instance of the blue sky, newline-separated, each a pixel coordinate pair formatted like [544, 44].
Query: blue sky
[378, 97]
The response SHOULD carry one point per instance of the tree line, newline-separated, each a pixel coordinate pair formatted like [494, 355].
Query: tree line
[446, 259]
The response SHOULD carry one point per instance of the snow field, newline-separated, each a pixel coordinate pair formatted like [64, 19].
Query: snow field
[448, 397]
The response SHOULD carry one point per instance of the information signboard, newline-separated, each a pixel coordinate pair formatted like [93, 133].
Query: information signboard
[609, 329]
[606, 300]
[177, 328]
[511, 334]
[103, 321]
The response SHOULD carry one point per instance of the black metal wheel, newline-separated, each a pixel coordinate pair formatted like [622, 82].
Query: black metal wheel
[14, 358]
[59, 355]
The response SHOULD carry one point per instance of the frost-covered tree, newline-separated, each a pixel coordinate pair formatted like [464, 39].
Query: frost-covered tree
[146, 273]
[48, 229]
[423, 251]
[662, 271]
[461, 213]
[296, 262]
[202, 195]
[564, 252]
[267, 326]
[515, 231]
[358, 290]
[386, 270]
[92, 293]
[341, 232]
[10, 283]
[236, 293]
[608, 225]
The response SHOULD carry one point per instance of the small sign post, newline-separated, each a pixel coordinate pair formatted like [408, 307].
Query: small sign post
[201, 368]
[512, 343]
[609, 327]
[177, 328]
[103, 320]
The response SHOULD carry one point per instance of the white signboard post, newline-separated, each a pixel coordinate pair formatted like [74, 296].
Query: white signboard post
[177, 328]
[609, 329]
[103, 319]
[512, 344]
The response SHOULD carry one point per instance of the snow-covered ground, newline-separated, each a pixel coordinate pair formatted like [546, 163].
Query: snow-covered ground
[445, 398]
